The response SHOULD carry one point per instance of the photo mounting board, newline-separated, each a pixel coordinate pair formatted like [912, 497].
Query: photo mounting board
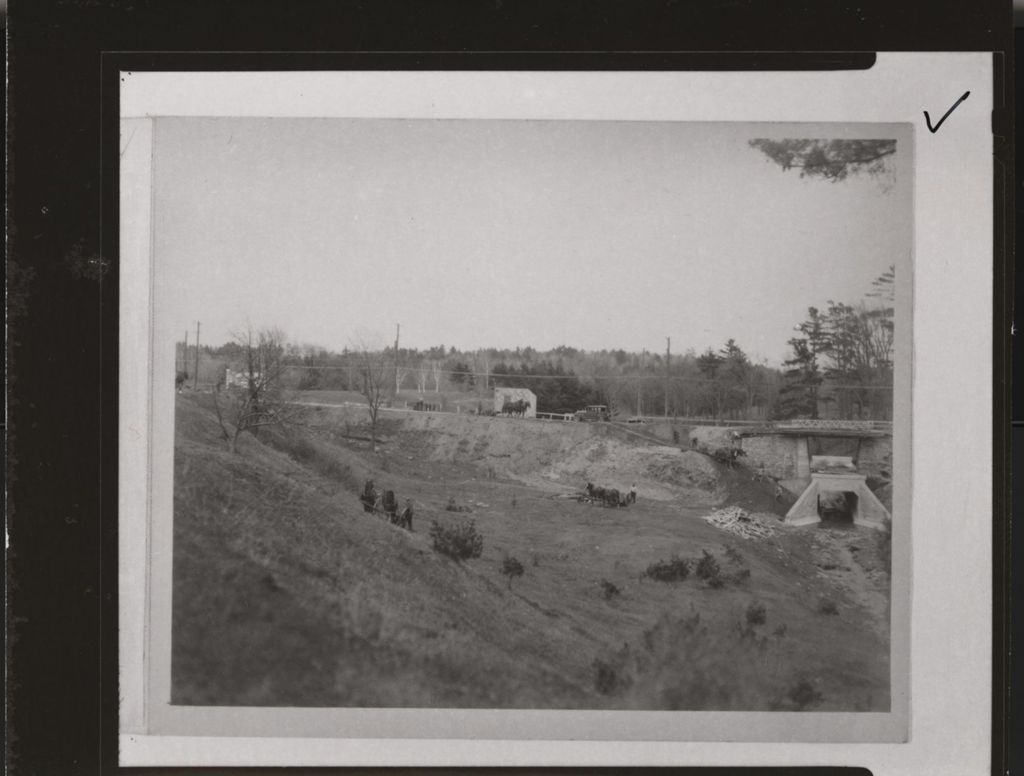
[952, 226]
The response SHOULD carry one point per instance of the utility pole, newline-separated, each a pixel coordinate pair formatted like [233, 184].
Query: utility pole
[639, 384]
[398, 328]
[195, 377]
[668, 361]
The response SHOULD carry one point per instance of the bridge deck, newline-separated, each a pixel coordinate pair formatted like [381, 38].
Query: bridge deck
[814, 432]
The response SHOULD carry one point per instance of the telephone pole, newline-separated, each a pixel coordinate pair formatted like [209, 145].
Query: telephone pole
[668, 361]
[195, 377]
[639, 384]
[398, 328]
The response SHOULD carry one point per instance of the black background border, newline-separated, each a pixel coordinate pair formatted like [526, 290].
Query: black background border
[62, 268]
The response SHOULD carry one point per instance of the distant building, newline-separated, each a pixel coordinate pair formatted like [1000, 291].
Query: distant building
[508, 395]
[233, 379]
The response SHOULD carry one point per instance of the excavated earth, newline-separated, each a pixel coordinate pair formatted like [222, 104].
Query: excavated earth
[286, 593]
[549, 455]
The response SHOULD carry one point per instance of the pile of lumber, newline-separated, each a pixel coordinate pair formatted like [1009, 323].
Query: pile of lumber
[742, 523]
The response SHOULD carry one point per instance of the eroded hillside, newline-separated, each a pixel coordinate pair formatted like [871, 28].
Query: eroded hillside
[287, 593]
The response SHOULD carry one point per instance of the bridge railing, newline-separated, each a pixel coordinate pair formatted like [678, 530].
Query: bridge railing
[796, 423]
[838, 425]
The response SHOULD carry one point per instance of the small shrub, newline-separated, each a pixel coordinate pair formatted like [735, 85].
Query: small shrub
[459, 542]
[606, 677]
[673, 570]
[535, 562]
[451, 506]
[780, 631]
[675, 436]
[709, 570]
[743, 575]
[511, 567]
[616, 673]
[609, 590]
[803, 695]
[757, 614]
[828, 606]
[733, 555]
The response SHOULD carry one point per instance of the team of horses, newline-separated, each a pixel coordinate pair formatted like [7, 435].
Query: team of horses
[730, 456]
[515, 409]
[609, 497]
[385, 503]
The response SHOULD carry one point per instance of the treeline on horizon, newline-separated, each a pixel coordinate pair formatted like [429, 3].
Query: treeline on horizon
[840, 366]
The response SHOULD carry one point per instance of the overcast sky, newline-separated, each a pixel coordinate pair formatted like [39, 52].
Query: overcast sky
[478, 233]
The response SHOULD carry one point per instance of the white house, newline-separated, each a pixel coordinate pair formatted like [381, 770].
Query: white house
[233, 379]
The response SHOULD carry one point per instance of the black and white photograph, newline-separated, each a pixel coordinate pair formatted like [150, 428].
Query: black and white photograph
[510, 386]
[531, 414]
[591, 412]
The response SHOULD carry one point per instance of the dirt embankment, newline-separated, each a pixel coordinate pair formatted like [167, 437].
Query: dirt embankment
[549, 455]
[286, 593]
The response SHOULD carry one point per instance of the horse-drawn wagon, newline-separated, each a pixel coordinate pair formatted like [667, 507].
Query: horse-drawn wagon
[384, 503]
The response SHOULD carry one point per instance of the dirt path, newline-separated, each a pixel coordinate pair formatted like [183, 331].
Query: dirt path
[848, 558]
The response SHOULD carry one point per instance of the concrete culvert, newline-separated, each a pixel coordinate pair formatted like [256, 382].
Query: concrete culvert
[837, 507]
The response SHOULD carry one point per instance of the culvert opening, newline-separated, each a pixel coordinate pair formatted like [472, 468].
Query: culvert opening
[837, 507]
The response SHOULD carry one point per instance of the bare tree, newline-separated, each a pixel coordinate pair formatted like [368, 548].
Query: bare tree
[422, 373]
[375, 373]
[253, 396]
[435, 373]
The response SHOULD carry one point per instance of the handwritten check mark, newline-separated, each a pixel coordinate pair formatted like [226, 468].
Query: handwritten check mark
[928, 119]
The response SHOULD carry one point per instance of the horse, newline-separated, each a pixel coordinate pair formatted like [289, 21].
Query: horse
[611, 497]
[597, 494]
[515, 409]
[390, 505]
[734, 457]
[368, 497]
[728, 455]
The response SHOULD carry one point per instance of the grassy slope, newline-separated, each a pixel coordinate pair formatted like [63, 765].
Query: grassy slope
[286, 593]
